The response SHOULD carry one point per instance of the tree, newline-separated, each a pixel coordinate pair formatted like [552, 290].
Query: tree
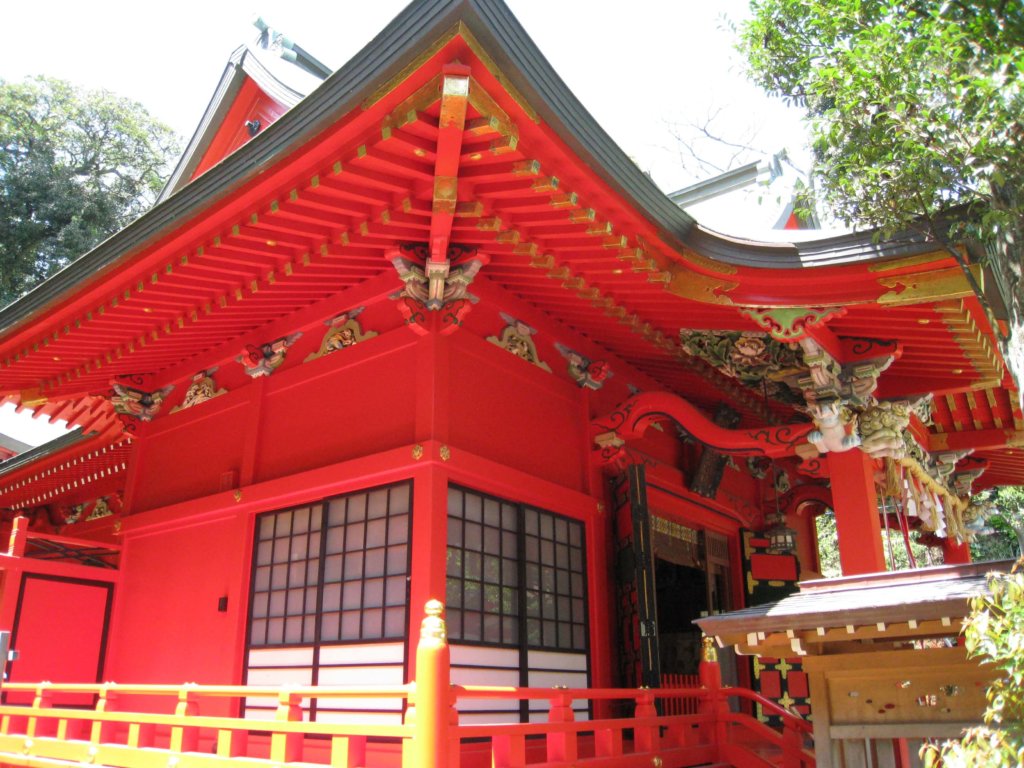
[915, 109]
[1005, 518]
[75, 167]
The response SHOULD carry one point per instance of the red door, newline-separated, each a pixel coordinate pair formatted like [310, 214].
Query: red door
[60, 630]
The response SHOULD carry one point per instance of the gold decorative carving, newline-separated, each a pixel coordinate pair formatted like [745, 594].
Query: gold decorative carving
[673, 529]
[433, 626]
[342, 331]
[927, 286]
[445, 452]
[101, 509]
[433, 285]
[517, 338]
[688, 284]
[881, 428]
[133, 402]
[417, 452]
[202, 388]
[910, 261]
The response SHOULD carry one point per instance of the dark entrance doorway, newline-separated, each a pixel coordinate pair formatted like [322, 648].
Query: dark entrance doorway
[681, 596]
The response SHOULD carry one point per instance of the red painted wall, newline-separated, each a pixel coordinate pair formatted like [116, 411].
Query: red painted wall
[346, 405]
[350, 420]
[167, 627]
[186, 454]
[515, 413]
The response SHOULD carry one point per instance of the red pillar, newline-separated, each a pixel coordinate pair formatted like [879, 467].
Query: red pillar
[856, 507]
[955, 553]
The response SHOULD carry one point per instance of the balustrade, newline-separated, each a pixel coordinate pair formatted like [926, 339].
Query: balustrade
[136, 726]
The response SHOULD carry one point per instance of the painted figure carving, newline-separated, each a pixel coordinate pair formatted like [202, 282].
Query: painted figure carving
[881, 429]
[264, 359]
[517, 338]
[834, 431]
[143, 406]
[342, 331]
[584, 371]
[202, 388]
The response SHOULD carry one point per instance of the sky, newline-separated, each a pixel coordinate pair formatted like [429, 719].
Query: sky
[647, 70]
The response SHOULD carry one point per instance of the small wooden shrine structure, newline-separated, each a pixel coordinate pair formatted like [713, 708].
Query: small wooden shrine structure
[883, 654]
[427, 333]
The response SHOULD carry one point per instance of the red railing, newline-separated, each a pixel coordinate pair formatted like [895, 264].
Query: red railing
[673, 703]
[192, 725]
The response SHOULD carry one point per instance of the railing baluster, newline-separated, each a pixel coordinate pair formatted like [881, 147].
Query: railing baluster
[508, 751]
[141, 735]
[348, 751]
[185, 738]
[231, 742]
[101, 731]
[287, 747]
[40, 726]
[561, 743]
[645, 737]
[608, 742]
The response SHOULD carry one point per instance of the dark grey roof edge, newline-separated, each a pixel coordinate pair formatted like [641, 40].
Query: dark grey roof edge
[531, 74]
[227, 87]
[416, 26]
[241, 62]
[420, 24]
[41, 451]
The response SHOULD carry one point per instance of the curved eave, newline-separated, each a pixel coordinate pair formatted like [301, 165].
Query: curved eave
[412, 33]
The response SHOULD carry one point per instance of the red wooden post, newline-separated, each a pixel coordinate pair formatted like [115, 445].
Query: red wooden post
[19, 534]
[287, 747]
[792, 744]
[432, 716]
[348, 751]
[41, 726]
[715, 704]
[561, 744]
[102, 731]
[645, 737]
[185, 739]
[508, 751]
[856, 508]
[955, 552]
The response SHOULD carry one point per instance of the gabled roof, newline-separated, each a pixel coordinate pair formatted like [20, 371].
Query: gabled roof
[882, 606]
[307, 209]
[246, 65]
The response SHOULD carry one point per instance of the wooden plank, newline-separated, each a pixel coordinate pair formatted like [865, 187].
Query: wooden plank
[855, 754]
[899, 730]
[824, 754]
[885, 753]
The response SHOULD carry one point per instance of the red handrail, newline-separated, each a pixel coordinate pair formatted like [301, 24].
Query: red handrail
[110, 733]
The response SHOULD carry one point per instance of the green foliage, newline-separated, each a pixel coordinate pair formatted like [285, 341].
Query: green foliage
[916, 112]
[1006, 518]
[914, 106]
[994, 633]
[75, 168]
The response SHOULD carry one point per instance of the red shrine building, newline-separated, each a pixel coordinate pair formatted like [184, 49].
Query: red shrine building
[427, 334]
